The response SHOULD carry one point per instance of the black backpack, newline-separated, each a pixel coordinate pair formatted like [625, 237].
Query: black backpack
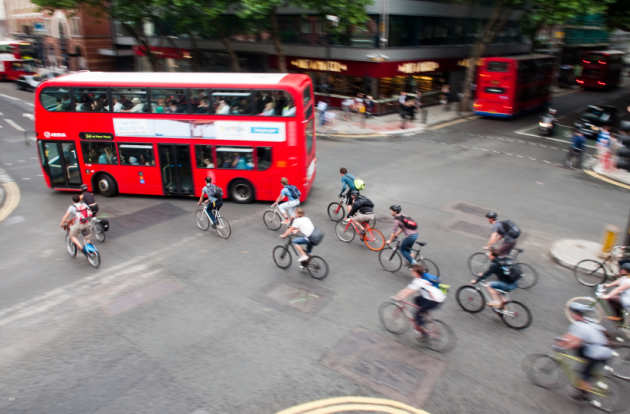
[316, 237]
[408, 222]
[511, 272]
[510, 229]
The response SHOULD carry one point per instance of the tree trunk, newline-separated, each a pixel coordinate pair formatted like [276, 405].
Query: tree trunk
[227, 43]
[275, 35]
[143, 41]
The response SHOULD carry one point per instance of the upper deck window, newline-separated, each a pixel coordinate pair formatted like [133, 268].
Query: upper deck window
[497, 66]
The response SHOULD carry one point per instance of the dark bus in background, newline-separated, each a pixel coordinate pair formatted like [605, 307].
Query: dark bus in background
[510, 85]
[601, 69]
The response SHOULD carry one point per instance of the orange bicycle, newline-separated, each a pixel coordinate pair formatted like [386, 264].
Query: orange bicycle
[347, 229]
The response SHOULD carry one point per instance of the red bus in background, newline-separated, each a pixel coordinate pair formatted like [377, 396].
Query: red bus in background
[507, 86]
[20, 49]
[601, 69]
[164, 133]
[15, 59]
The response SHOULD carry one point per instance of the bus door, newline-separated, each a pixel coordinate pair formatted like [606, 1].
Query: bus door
[59, 159]
[176, 169]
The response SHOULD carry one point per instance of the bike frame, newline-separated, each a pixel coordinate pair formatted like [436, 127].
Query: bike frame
[563, 358]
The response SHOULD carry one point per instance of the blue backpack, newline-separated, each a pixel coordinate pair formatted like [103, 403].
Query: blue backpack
[294, 192]
[435, 280]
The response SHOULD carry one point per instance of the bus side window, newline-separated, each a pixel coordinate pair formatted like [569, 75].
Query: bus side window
[130, 100]
[238, 158]
[136, 154]
[263, 158]
[99, 153]
[203, 154]
[231, 102]
[91, 100]
[56, 99]
[169, 101]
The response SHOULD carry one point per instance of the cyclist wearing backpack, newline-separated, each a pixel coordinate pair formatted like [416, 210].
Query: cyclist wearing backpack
[507, 274]
[215, 199]
[88, 198]
[430, 296]
[409, 227]
[311, 235]
[362, 210]
[505, 230]
[291, 192]
[77, 219]
[347, 183]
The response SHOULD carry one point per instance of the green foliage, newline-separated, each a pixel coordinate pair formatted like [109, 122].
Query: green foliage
[618, 15]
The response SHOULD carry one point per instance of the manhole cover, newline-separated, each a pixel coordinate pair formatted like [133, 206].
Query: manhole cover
[470, 209]
[388, 367]
[470, 228]
[295, 296]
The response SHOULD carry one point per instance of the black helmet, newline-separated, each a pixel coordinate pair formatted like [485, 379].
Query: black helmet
[492, 215]
[395, 208]
[625, 266]
[354, 193]
[579, 308]
[83, 187]
[208, 180]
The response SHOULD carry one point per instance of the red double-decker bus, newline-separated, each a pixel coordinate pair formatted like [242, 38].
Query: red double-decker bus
[164, 133]
[508, 86]
[15, 59]
[601, 69]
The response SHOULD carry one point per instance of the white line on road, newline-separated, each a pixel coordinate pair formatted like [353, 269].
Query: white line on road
[522, 132]
[26, 178]
[29, 116]
[532, 158]
[519, 156]
[14, 125]
[13, 98]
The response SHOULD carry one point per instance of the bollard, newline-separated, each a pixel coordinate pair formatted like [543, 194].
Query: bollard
[610, 237]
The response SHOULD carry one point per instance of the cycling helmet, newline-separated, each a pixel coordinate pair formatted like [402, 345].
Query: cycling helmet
[579, 308]
[492, 215]
[208, 180]
[354, 193]
[625, 266]
[395, 208]
[83, 187]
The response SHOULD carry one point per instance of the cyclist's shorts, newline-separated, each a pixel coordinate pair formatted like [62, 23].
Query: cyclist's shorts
[503, 286]
[77, 228]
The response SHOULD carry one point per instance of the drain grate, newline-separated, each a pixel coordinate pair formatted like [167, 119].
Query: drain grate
[470, 209]
[470, 228]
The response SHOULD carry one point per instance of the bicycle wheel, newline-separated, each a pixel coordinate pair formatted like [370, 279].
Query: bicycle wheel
[597, 312]
[201, 219]
[282, 256]
[390, 259]
[94, 259]
[515, 315]
[317, 268]
[393, 318]
[543, 370]
[99, 233]
[590, 272]
[439, 336]
[470, 298]
[374, 240]
[478, 263]
[345, 231]
[71, 248]
[620, 362]
[336, 211]
[224, 230]
[607, 398]
[272, 220]
[529, 276]
[431, 266]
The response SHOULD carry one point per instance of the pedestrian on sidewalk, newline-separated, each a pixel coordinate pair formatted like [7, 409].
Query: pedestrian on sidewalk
[322, 106]
[346, 107]
[401, 101]
[576, 151]
[408, 112]
[445, 96]
[420, 108]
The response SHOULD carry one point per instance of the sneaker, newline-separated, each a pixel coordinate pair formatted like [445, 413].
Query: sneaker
[303, 259]
[302, 267]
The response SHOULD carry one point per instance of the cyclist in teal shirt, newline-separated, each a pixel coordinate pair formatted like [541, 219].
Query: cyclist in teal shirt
[347, 183]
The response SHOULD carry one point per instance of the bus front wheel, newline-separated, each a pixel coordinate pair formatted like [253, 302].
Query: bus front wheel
[241, 191]
[106, 185]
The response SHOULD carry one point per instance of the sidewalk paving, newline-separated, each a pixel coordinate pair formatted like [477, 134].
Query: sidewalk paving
[568, 252]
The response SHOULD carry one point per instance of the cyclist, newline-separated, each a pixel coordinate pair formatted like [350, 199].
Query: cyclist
[401, 226]
[287, 209]
[77, 219]
[589, 339]
[88, 198]
[215, 199]
[430, 297]
[619, 298]
[310, 235]
[362, 210]
[508, 277]
[347, 183]
[505, 230]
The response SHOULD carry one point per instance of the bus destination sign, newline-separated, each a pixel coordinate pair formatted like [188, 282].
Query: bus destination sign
[96, 136]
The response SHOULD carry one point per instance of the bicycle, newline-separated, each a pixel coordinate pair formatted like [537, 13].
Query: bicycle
[544, 370]
[472, 299]
[202, 221]
[316, 266]
[98, 227]
[373, 238]
[272, 217]
[591, 272]
[92, 253]
[337, 211]
[479, 262]
[391, 259]
[398, 316]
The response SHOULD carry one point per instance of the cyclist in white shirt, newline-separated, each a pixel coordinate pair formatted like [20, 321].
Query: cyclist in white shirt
[619, 298]
[304, 225]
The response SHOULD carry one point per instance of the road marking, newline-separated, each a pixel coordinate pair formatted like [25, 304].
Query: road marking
[353, 404]
[532, 158]
[29, 116]
[606, 179]
[11, 199]
[14, 125]
[13, 98]
[519, 156]
[522, 132]
[449, 123]
[26, 178]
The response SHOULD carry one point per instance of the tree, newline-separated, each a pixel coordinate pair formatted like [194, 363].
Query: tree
[618, 15]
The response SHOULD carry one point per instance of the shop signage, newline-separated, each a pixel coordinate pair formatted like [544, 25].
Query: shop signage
[96, 135]
[415, 67]
[323, 65]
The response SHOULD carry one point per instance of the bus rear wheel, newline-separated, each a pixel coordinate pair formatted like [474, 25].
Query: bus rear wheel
[241, 191]
[106, 185]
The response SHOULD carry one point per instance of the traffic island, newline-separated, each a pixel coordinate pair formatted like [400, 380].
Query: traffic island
[568, 252]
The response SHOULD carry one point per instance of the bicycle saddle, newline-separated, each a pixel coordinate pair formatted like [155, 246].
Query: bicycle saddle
[421, 243]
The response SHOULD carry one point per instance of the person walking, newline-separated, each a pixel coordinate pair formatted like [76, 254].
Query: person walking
[576, 151]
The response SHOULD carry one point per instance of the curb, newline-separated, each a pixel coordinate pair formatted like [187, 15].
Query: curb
[558, 258]
[9, 195]
[394, 133]
[607, 179]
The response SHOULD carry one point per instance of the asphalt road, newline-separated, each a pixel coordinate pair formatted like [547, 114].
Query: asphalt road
[179, 321]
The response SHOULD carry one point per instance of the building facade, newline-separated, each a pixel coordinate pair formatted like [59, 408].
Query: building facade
[71, 40]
